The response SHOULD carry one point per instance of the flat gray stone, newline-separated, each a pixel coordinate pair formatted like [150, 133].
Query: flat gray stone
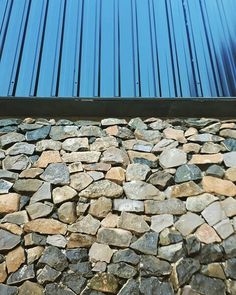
[53, 257]
[149, 286]
[216, 171]
[5, 186]
[88, 225]
[161, 179]
[160, 222]
[75, 144]
[128, 205]
[62, 194]
[122, 270]
[188, 223]
[115, 156]
[8, 290]
[229, 246]
[21, 148]
[38, 134]
[27, 185]
[230, 159]
[47, 274]
[102, 188]
[171, 253]
[185, 269]
[126, 255]
[91, 131]
[42, 194]
[205, 137]
[63, 132]
[18, 163]
[147, 244]
[10, 138]
[137, 172]
[115, 237]
[200, 202]
[213, 213]
[84, 157]
[140, 190]
[137, 123]
[38, 210]
[56, 173]
[133, 222]
[171, 206]
[172, 158]
[8, 240]
[26, 272]
[224, 228]
[48, 144]
[80, 181]
[153, 266]
[153, 136]
[8, 175]
[208, 286]
[187, 172]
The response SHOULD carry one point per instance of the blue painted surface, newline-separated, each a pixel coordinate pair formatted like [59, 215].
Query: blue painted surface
[118, 48]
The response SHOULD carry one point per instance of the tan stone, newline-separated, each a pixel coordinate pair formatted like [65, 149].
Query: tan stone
[227, 126]
[206, 159]
[34, 254]
[116, 174]
[15, 259]
[186, 189]
[219, 186]
[230, 174]
[31, 173]
[190, 131]
[3, 272]
[78, 240]
[48, 157]
[30, 288]
[175, 134]
[11, 227]
[100, 252]
[191, 148]
[111, 220]
[46, 226]
[9, 203]
[147, 156]
[112, 130]
[87, 224]
[229, 206]
[133, 222]
[206, 234]
[214, 270]
[100, 207]
[62, 194]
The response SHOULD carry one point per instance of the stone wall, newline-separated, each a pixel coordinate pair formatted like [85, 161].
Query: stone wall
[137, 207]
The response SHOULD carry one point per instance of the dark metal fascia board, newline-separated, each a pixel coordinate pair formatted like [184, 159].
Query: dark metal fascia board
[223, 107]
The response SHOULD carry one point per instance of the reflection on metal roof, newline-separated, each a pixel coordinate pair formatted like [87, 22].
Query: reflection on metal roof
[118, 48]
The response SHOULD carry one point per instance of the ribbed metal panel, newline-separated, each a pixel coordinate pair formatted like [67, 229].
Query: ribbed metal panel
[118, 48]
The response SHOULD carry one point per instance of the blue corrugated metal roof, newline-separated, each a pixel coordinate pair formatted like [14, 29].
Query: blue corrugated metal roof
[118, 48]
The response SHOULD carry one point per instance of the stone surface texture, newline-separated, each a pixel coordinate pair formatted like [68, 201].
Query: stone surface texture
[118, 206]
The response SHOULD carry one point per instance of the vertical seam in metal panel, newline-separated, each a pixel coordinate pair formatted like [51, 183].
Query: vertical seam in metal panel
[119, 51]
[99, 49]
[210, 52]
[21, 49]
[138, 55]
[60, 50]
[41, 49]
[80, 50]
[7, 17]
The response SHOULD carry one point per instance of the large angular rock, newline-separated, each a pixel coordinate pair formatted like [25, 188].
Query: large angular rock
[137, 172]
[150, 286]
[18, 163]
[45, 226]
[38, 210]
[160, 222]
[229, 246]
[114, 237]
[87, 225]
[10, 138]
[100, 207]
[77, 240]
[228, 133]
[186, 189]
[130, 287]
[55, 289]
[126, 255]
[224, 228]
[27, 185]
[128, 205]
[152, 136]
[26, 272]
[143, 158]
[67, 212]
[53, 257]
[48, 157]
[104, 282]
[184, 270]
[188, 223]
[37, 134]
[62, 194]
[206, 159]
[9, 203]
[207, 235]
[115, 156]
[219, 186]
[116, 174]
[187, 172]
[172, 158]
[8, 175]
[100, 252]
[91, 131]
[205, 137]
[14, 259]
[230, 174]
[213, 213]
[230, 159]
[102, 188]
[74, 281]
[42, 194]
[139, 190]
[47, 274]
[19, 217]
[29, 288]
[63, 132]
[147, 244]
[21, 148]
[210, 253]
[215, 171]
[175, 134]
[161, 179]
[171, 206]
[103, 143]
[230, 268]
[84, 157]
[80, 181]
[57, 173]
[207, 286]
[5, 186]
[48, 144]
[75, 144]
[151, 265]
[137, 123]
[229, 206]
[211, 148]
[171, 253]
[200, 202]
[8, 240]
[133, 222]
[122, 270]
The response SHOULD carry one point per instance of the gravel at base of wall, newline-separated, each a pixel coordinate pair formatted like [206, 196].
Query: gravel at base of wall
[117, 207]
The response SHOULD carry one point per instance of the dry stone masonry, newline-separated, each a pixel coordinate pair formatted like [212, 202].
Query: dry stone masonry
[141, 207]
